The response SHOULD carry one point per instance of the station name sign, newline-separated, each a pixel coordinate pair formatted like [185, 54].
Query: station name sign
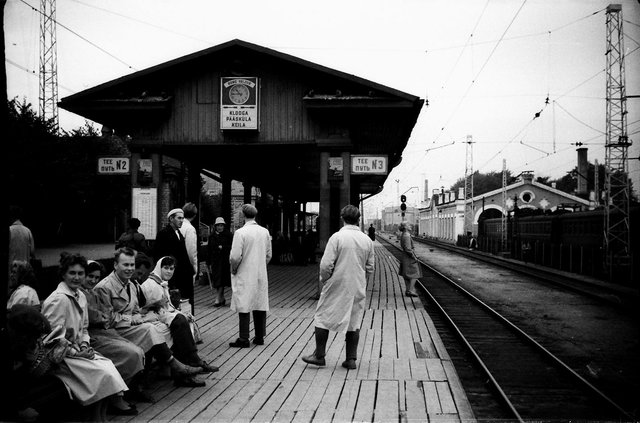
[239, 103]
[369, 165]
[113, 166]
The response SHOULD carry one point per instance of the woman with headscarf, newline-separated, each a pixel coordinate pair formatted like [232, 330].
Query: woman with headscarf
[161, 312]
[89, 377]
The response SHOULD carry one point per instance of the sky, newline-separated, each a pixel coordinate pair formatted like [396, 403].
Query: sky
[486, 68]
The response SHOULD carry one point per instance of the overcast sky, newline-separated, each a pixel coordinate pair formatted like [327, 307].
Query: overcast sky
[486, 67]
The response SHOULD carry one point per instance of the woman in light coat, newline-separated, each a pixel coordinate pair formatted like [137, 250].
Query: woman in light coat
[250, 253]
[89, 377]
[347, 262]
[409, 266]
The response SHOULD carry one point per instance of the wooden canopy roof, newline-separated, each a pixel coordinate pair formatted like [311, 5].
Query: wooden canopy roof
[304, 108]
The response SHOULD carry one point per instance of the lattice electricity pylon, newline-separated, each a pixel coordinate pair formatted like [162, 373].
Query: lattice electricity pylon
[503, 225]
[617, 234]
[48, 94]
[468, 188]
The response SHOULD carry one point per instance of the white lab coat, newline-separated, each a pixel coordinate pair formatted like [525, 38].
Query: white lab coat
[190, 235]
[347, 262]
[250, 253]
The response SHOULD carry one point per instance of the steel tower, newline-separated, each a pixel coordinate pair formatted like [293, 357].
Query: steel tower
[48, 90]
[617, 242]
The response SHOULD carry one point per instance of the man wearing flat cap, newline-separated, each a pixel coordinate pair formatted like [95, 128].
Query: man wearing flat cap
[170, 242]
[250, 253]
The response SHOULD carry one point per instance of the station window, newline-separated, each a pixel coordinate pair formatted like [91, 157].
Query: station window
[527, 196]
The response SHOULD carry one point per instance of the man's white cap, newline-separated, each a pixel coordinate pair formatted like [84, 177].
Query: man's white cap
[174, 211]
[220, 221]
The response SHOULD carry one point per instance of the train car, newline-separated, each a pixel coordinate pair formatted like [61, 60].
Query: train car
[571, 241]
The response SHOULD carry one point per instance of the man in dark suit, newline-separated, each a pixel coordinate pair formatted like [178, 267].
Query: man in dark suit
[170, 242]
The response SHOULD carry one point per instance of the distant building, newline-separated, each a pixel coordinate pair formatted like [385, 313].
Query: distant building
[444, 217]
[392, 216]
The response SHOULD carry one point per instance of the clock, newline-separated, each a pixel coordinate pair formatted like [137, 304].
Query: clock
[239, 94]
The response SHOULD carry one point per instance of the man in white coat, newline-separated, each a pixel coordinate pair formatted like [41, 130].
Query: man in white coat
[347, 262]
[250, 253]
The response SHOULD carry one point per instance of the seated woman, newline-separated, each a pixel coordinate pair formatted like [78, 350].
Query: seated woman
[89, 377]
[126, 356]
[22, 282]
[161, 311]
[33, 394]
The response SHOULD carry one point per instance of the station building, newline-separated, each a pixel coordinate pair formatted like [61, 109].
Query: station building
[444, 217]
[291, 131]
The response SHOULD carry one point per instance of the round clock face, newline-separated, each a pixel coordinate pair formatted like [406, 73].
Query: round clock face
[239, 94]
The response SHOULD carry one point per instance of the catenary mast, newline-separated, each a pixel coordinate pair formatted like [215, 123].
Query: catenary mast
[48, 89]
[617, 242]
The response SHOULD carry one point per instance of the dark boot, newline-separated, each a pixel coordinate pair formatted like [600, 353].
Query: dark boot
[317, 358]
[260, 326]
[243, 340]
[351, 339]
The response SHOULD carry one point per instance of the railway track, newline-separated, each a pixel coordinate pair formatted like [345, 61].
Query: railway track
[529, 381]
[627, 298]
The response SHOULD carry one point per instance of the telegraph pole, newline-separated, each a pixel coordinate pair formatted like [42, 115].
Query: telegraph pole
[617, 241]
[503, 225]
[468, 188]
[48, 90]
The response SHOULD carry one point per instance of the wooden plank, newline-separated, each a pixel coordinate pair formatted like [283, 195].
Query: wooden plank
[401, 369]
[459, 395]
[387, 404]
[418, 369]
[385, 371]
[222, 400]
[427, 339]
[404, 337]
[446, 399]
[257, 401]
[431, 398]
[439, 346]
[275, 401]
[416, 409]
[366, 401]
[435, 369]
[240, 400]
[346, 403]
[329, 401]
[389, 347]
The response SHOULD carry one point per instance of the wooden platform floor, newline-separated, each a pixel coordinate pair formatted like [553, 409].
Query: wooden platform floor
[404, 373]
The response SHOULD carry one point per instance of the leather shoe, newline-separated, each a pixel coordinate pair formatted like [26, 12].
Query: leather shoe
[258, 341]
[138, 395]
[131, 411]
[182, 370]
[240, 343]
[188, 382]
[411, 294]
[349, 364]
[208, 368]
[312, 359]
[220, 304]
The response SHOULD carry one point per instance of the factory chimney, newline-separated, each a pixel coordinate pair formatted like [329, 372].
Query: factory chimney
[583, 169]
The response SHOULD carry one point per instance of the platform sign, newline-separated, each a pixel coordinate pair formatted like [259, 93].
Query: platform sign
[113, 166]
[369, 165]
[239, 103]
[144, 206]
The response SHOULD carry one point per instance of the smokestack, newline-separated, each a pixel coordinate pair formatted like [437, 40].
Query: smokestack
[583, 168]
[426, 190]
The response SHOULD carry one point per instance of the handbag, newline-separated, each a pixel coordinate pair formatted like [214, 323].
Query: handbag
[50, 350]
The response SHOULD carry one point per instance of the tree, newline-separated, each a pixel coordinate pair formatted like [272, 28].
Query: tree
[54, 179]
[484, 182]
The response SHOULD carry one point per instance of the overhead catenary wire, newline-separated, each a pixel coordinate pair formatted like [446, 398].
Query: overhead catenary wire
[83, 38]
